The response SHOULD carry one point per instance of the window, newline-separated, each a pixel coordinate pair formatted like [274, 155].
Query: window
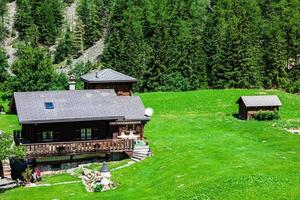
[49, 105]
[47, 135]
[130, 127]
[86, 134]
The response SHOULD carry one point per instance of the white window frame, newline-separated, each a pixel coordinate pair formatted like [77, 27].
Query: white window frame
[47, 136]
[85, 133]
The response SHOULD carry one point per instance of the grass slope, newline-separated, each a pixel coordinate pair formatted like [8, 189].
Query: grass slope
[202, 152]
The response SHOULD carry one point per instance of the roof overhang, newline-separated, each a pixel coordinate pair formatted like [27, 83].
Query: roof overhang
[71, 120]
[274, 103]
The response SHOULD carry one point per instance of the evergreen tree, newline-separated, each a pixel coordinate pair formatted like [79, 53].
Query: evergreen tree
[3, 12]
[78, 43]
[290, 19]
[213, 42]
[49, 21]
[187, 57]
[59, 82]
[64, 48]
[176, 45]
[147, 42]
[3, 66]
[33, 70]
[32, 35]
[273, 46]
[94, 15]
[126, 41]
[85, 15]
[237, 49]
[46, 15]
[7, 150]
[23, 17]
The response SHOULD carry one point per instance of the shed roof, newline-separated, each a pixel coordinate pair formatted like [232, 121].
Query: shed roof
[77, 105]
[260, 101]
[107, 76]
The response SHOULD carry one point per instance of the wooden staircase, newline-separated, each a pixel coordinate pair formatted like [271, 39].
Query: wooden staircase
[140, 151]
[7, 182]
[6, 169]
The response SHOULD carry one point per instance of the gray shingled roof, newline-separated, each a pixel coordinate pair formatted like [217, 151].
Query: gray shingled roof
[106, 76]
[77, 105]
[260, 101]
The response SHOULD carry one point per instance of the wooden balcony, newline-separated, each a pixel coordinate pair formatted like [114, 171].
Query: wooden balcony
[35, 150]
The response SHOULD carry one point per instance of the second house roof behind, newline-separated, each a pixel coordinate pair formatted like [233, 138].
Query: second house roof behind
[107, 76]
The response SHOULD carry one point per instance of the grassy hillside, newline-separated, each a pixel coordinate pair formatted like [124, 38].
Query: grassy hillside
[202, 152]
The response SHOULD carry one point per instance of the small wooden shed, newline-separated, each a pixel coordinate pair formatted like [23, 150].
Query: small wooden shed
[249, 105]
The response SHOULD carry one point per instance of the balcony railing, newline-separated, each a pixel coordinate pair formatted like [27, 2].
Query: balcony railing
[78, 147]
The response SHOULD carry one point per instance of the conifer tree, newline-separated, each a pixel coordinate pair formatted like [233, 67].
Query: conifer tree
[3, 66]
[64, 48]
[33, 70]
[93, 15]
[78, 43]
[49, 21]
[32, 35]
[273, 46]
[3, 12]
[290, 19]
[46, 15]
[212, 42]
[237, 49]
[23, 17]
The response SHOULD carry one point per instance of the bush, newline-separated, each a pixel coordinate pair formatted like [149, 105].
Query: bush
[266, 115]
[81, 69]
[27, 175]
[98, 188]
[296, 87]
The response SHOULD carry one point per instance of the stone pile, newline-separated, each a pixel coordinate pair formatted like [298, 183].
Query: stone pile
[294, 131]
[96, 181]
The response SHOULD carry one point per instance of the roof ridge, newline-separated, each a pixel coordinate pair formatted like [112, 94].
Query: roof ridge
[119, 73]
[107, 75]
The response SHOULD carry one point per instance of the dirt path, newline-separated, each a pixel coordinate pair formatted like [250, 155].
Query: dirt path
[91, 54]
[10, 51]
[70, 15]
[53, 184]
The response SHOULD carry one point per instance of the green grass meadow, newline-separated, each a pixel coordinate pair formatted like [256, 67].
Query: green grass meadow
[201, 151]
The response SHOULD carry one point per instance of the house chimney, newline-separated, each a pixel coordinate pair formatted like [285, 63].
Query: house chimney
[72, 82]
[96, 74]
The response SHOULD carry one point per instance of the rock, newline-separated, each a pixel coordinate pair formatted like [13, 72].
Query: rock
[86, 172]
[93, 180]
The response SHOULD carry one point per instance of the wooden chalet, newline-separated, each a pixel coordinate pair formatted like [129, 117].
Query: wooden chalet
[78, 124]
[249, 105]
[108, 78]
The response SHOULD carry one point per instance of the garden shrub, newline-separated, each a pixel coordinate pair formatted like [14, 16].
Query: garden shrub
[98, 188]
[266, 115]
[27, 175]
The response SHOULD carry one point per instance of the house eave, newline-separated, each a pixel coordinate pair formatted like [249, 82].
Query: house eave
[70, 120]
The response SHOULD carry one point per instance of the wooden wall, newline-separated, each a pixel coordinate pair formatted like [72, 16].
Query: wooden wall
[242, 110]
[71, 131]
[251, 111]
[121, 89]
[248, 112]
[67, 131]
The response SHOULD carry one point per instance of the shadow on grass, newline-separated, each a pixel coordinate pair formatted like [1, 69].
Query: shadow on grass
[236, 116]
